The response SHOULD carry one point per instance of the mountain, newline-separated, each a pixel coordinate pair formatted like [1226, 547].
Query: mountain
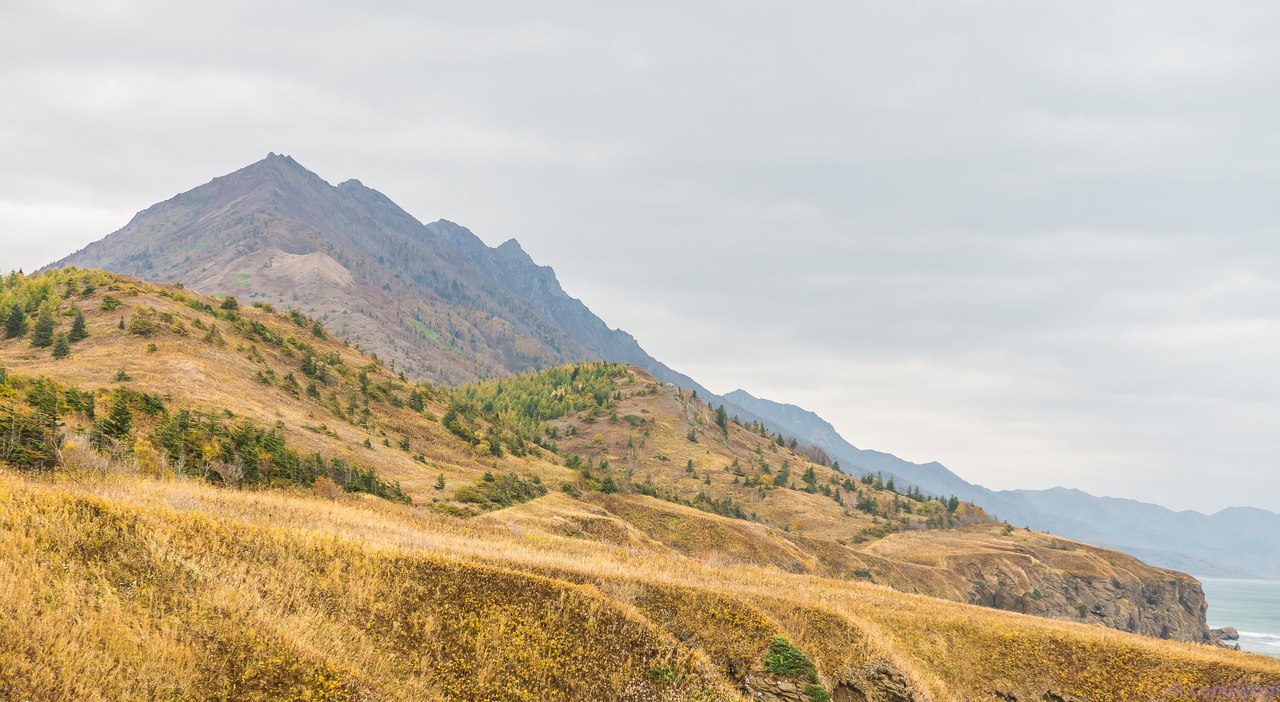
[206, 500]
[432, 298]
[1238, 541]
[439, 304]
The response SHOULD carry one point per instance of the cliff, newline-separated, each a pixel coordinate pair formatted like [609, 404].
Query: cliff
[1040, 574]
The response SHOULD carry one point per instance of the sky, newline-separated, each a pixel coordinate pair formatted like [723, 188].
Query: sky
[1035, 241]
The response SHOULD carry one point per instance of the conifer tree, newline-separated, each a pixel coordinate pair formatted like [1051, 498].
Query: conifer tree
[15, 325]
[42, 333]
[79, 330]
[61, 346]
[119, 421]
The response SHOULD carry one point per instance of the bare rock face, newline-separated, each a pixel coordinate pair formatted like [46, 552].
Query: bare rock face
[877, 681]
[1048, 576]
[774, 689]
[1167, 608]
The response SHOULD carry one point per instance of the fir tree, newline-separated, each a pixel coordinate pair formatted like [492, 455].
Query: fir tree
[42, 333]
[722, 419]
[15, 325]
[120, 420]
[79, 330]
[61, 346]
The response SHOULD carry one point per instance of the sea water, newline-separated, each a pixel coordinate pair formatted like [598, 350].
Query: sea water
[1251, 606]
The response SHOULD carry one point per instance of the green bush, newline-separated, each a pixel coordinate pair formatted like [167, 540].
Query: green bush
[817, 693]
[660, 674]
[784, 659]
[500, 491]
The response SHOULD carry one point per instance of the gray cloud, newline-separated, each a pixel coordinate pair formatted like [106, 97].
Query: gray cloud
[1036, 242]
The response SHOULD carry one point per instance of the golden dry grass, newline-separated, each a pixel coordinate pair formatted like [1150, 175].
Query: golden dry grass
[126, 587]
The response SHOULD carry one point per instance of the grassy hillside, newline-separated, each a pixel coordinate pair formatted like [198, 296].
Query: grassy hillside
[125, 588]
[207, 500]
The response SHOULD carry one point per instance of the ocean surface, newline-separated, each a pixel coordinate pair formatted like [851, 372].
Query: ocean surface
[1252, 606]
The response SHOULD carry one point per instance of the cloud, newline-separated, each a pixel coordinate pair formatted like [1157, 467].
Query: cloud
[1033, 241]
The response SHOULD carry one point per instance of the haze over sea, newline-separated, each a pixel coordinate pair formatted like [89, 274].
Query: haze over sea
[1251, 606]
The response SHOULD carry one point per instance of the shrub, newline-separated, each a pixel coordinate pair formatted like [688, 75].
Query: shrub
[660, 674]
[784, 659]
[817, 693]
[500, 490]
[142, 325]
[326, 488]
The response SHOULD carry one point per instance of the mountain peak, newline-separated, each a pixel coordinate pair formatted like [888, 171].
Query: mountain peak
[277, 164]
[512, 250]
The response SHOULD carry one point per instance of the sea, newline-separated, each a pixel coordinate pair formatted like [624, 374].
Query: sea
[1251, 606]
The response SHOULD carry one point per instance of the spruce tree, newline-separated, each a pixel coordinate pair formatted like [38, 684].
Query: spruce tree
[42, 333]
[79, 330]
[15, 325]
[120, 420]
[61, 346]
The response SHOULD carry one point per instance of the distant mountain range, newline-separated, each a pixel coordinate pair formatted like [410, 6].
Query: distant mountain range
[1238, 541]
[442, 305]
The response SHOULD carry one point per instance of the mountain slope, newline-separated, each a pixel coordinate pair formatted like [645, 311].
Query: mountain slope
[538, 287]
[1234, 542]
[611, 539]
[345, 254]
[441, 305]
[433, 298]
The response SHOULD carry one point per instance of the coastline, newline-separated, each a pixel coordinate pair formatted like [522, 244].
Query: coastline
[1251, 605]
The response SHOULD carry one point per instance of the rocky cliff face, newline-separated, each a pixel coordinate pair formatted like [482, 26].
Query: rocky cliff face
[1043, 575]
[1167, 608]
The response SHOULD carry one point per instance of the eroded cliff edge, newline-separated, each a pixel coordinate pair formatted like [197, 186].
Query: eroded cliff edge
[1047, 576]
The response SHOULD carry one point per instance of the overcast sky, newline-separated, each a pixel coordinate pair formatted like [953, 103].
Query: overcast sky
[1034, 241]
